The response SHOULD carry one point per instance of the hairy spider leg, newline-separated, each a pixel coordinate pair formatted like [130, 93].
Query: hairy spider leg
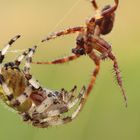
[68, 105]
[94, 3]
[20, 58]
[60, 61]
[96, 60]
[32, 82]
[64, 32]
[7, 46]
[118, 75]
[2, 55]
[54, 117]
[28, 54]
[69, 96]
[58, 34]
[29, 60]
[49, 101]
[45, 104]
[104, 45]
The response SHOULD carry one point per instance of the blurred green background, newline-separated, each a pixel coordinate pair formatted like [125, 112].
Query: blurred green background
[104, 116]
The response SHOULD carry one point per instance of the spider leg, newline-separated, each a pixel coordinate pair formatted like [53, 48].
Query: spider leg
[51, 99]
[94, 3]
[20, 58]
[61, 109]
[32, 82]
[64, 32]
[69, 97]
[25, 95]
[55, 118]
[46, 103]
[111, 10]
[2, 54]
[56, 111]
[96, 60]
[59, 61]
[102, 46]
[118, 75]
[28, 54]
[72, 102]
[105, 49]
[7, 46]
[58, 34]
[29, 59]
[53, 121]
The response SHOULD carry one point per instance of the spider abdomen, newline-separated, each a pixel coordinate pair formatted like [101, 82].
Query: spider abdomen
[17, 83]
[107, 24]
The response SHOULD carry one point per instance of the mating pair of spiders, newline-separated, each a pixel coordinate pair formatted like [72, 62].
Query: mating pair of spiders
[43, 107]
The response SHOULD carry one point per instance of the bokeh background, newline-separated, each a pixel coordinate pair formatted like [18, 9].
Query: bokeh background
[104, 116]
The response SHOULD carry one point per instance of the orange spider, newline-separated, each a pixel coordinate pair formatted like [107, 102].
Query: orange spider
[89, 41]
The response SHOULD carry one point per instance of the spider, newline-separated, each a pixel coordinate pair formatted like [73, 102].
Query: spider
[37, 105]
[89, 42]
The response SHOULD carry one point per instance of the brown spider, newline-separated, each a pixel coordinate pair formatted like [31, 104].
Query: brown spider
[89, 41]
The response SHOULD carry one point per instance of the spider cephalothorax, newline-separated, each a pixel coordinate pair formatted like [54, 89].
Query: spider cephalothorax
[40, 106]
[89, 42]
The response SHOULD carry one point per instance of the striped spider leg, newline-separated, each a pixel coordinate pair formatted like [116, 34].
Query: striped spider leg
[24, 94]
[54, 116]
[2, 56]
[59, 34]
[89, 42]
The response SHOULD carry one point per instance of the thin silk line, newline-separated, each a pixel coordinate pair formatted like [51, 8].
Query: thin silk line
[65, 16]
[16, 51]
[58, 23]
